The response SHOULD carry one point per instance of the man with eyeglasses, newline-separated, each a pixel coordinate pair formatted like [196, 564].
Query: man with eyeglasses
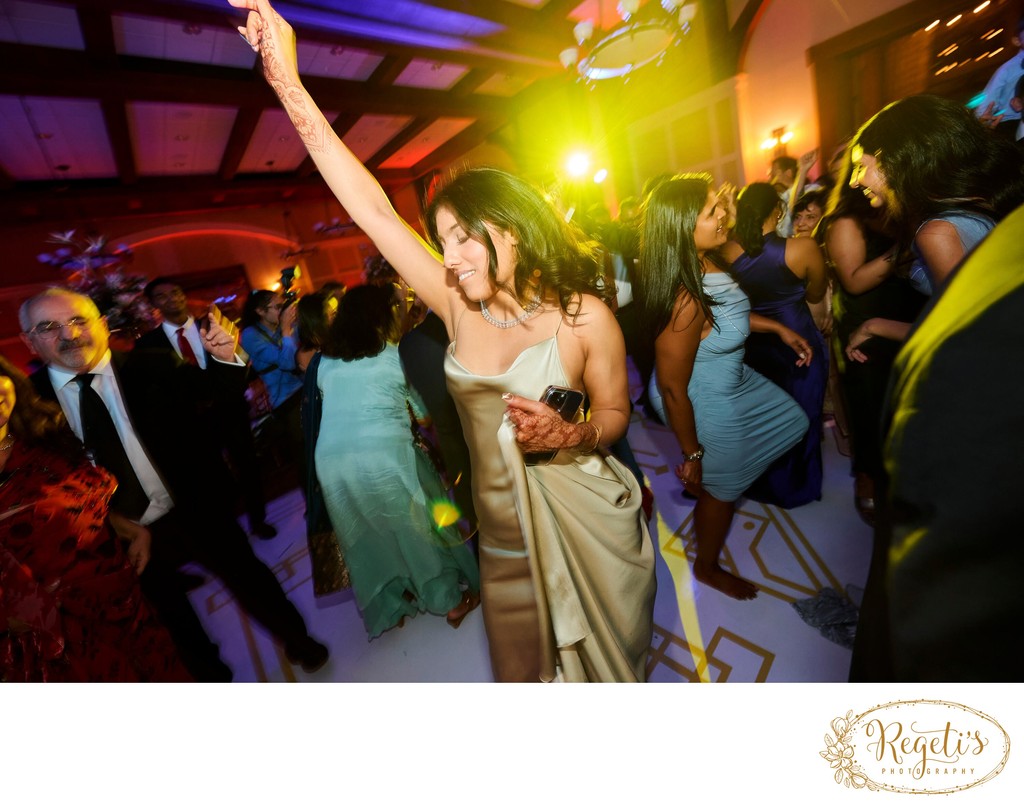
[143, 418]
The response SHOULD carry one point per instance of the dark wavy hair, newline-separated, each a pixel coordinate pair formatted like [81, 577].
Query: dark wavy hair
[567, 262]
[819, 197]
[367, 320]
[258, 299]
[34, 420]
[311, 321]
[754, 205]
[936, 156]
[669, 264]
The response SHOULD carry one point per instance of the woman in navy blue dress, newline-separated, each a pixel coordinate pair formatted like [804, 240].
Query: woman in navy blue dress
[780, 277]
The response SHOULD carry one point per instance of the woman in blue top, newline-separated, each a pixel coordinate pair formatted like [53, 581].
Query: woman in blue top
[943, 178]
[730, 421]
[268, 336]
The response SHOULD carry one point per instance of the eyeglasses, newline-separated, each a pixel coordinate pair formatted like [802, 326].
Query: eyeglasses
[49, 329]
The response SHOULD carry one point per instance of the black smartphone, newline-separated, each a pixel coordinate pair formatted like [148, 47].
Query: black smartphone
[567, 403]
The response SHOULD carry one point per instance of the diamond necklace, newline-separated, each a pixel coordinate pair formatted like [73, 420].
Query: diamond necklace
[528, 312]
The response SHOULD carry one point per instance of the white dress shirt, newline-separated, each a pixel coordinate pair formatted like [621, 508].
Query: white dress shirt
[191, 334]
[106, 384]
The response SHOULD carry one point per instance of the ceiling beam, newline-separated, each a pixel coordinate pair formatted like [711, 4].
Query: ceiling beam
[98, 35]
[30, 70]
[469, 138]
[407, 134]
[469, 83]
[228, 18]
[522, 35]
[159, 196]
[246, 121]
[116, 118]
[388, 70]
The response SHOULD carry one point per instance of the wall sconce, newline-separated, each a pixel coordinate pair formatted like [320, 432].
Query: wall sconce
[777, 142]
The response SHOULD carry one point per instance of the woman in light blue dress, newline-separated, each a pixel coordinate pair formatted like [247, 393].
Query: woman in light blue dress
[385, 499]
[730, 421]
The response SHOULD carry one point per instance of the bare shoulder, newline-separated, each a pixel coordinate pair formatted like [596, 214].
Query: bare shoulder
[731, 251]
[801, 250]
[592, 313]
[936, 229]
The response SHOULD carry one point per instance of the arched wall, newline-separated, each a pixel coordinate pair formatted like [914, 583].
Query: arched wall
[777, 83]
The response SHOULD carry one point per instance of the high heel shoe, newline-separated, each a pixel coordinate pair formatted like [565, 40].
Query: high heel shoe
[470, 601]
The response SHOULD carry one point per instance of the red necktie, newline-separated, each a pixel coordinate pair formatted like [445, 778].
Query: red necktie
[185, 347]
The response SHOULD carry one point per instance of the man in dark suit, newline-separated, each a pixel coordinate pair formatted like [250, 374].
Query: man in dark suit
[179, 335]
[172, 478]
[944, 601]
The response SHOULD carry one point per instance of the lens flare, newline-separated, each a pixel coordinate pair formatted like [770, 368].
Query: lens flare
[444, 513]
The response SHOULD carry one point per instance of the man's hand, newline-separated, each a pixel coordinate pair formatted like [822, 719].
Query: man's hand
[988, 119]
[140, 541]
[217, 341]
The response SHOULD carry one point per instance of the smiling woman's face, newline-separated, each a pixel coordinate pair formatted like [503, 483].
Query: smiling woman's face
[468, 260]
[869, 178]
[709, 231]
[805, 220]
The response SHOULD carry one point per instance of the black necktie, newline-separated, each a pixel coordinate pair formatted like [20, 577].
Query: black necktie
[101, 439]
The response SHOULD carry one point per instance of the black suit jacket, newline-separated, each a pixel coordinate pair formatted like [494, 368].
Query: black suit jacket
[155, 339]
[944, 602]
[168, 403]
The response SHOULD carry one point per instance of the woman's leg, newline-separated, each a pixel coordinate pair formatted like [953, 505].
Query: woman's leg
[711, 520]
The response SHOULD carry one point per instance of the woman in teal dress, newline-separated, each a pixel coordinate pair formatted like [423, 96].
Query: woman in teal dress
[730, 421]
[385, 500]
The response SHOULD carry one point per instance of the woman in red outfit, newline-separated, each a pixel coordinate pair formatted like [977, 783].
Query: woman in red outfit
[70, 605]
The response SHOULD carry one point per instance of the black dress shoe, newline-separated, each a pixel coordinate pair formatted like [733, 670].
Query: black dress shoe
[263, 530]
[308, 653]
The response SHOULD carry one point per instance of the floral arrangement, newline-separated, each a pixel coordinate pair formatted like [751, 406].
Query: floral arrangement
[95, 269]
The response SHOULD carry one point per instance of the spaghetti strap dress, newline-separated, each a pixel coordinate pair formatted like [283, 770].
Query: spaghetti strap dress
[743, 421]
[566, 561]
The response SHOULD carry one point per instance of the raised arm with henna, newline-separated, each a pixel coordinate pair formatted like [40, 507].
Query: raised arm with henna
[354, 186]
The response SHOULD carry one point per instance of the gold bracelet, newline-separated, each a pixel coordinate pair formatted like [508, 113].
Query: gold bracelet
[588, 444]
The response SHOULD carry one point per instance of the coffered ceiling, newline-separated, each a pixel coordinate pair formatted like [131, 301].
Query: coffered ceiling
[160, 105]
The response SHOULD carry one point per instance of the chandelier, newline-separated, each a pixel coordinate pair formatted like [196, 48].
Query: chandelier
[644, 36]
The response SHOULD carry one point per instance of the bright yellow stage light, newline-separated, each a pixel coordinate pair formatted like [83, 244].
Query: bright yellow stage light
[577, 164]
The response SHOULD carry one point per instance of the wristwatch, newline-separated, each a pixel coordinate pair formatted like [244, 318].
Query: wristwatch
[695, 456]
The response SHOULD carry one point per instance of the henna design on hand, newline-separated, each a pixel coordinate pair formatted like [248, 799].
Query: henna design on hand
[539, 433]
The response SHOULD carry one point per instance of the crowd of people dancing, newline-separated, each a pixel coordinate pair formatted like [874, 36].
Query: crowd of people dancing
[459, 423]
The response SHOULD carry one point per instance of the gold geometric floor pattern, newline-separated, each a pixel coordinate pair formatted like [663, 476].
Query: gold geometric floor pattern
[766, 546]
